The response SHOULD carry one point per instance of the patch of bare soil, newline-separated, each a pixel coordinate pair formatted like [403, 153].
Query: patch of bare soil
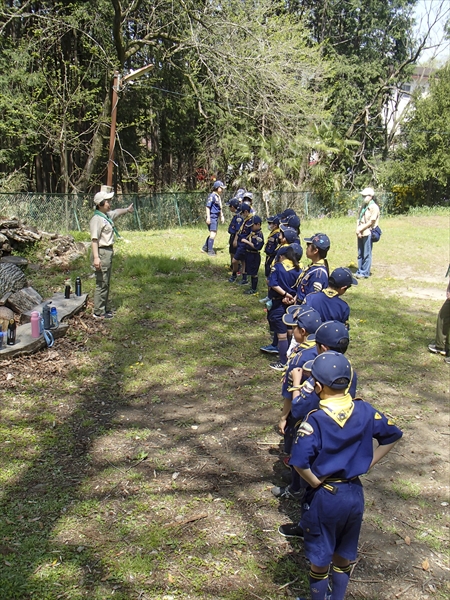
[219, 455]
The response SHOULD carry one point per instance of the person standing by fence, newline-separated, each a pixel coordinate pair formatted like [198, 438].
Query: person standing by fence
[369, 215]
[213, 212]
[102, 232]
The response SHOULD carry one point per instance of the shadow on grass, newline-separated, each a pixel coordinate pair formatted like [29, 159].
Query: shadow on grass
[94, 512]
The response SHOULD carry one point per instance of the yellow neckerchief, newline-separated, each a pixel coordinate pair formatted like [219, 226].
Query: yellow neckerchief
[287, 264]
[330, 293]
[339, 409]
[243, 223]
[319, 263]
[275, 231]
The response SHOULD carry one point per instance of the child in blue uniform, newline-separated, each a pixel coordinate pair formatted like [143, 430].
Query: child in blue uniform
[305, 321]
[331, 335]
[334, 446]
[240, 248]
[254, 243]
[213, 213]
[328, 302]
[234, 225]
[315, 277]
[282, 277]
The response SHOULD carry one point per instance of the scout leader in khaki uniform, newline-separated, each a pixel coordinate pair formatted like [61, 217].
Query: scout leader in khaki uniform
[102, 231]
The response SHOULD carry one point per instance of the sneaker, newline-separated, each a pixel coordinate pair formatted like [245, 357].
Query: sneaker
[204, 248]
[251, 292]
[285, 493]
[285, 461]
[98, 316]
[232, 279]
[269, 349]
[277, 366]
[244, 282]
[291, 530]
[264, 300]
[109, 314]
[435, 350]
[212, 253]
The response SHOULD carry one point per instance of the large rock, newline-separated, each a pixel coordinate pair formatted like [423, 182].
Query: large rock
[12, 278]
[24, 300]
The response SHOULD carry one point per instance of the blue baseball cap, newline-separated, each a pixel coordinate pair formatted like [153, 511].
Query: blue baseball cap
[255, 220]
[297, 249]
[333, 334]
[234, 202]
[245, 207]
[291, 221]
[342, 277]
[286, 213]
[319, 240]
[240, 193]
[332, 369]
[274, 219]
[248, 195]
[218, 184]
[289, 234]
[306, 317]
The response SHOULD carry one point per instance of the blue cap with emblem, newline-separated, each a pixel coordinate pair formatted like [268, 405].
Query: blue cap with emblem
[289, 234]
[245, 207]
[304, 317]
[332, 369]
[218, 184]
[274, 219]
[334, 335]
[234, 202]
[255, 220]
[342, 277]
[319, 240]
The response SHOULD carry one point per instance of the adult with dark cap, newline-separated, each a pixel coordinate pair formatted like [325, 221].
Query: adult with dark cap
[102, 232]
[368, 218]
[213, 214]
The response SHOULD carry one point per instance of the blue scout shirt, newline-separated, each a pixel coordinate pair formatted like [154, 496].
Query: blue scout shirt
[235, 223]
[214, 204]
[283, 274]
[257, 239]
[301, 354]
[272, 242]
[244, 228]
[329, 305]
[345, 450]
[313, 279]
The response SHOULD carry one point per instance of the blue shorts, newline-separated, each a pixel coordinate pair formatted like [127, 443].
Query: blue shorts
[252, 263]
[275, 317]
[332, 522]
[240, 252]
[214, 225]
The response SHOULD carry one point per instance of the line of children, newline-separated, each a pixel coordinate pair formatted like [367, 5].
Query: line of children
[333, 448]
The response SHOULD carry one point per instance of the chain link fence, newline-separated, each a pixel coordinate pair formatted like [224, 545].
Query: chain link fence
[68, 212]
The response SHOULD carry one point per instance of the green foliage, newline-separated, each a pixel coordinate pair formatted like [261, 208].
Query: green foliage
[420, 171]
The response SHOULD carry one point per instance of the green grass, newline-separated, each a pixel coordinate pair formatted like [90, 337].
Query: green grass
[176, 384]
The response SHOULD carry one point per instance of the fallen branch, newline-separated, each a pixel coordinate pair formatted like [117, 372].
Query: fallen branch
[288, 583]
[405, 590]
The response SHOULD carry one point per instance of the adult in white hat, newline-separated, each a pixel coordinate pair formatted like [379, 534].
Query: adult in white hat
[102, 231]
[369, 215]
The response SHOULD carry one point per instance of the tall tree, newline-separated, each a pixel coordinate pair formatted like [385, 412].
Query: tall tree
[422, 158]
